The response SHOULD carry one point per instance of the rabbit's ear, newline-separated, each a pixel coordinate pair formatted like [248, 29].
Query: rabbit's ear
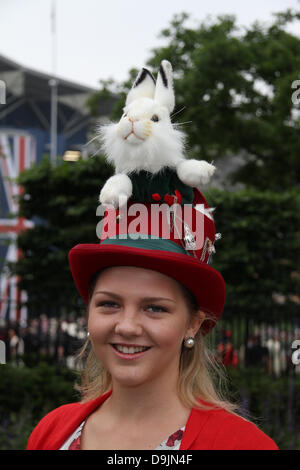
[143, 87]
[164, 93]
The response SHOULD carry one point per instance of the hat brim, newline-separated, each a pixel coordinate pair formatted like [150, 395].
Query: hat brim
[202, 280]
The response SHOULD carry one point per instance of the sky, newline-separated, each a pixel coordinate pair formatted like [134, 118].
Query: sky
[97, 39]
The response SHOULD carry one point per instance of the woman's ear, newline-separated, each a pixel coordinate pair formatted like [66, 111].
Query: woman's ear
[196, 322]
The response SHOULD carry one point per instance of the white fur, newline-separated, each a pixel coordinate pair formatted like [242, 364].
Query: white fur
[146, 89]
[138, 143]
[116, 191]
[195, 172]
[164, 146]
[164, 95]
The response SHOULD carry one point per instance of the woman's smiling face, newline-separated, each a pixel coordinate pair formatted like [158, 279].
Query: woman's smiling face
[137, 307]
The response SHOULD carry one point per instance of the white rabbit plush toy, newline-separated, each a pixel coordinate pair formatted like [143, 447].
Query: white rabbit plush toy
[146, 149]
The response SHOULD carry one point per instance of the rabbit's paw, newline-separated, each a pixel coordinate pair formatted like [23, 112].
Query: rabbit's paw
[116, 191]
[195, 172]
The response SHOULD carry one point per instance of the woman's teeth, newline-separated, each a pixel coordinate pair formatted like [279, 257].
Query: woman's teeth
[130, 350]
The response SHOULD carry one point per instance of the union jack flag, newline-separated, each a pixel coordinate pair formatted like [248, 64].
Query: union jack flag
[17, 153]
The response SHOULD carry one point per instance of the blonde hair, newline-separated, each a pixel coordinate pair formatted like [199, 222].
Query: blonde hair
[201, 376]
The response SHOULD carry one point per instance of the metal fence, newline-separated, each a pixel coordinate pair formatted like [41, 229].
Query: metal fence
[239, 343]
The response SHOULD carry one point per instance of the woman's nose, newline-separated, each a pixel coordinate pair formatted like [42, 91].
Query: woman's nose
[128, 324]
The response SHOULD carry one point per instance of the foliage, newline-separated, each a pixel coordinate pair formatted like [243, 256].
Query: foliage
[259, 253]
[28, 394]
[236, 87]
[234, 90]
[41, 386]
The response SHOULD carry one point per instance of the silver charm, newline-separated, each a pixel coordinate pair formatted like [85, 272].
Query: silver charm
[211, 251]
[171, 216]
[211, 248]
[204, 249]
[189, 240]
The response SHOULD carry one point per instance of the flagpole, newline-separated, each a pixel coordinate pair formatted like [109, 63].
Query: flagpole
[53, 84]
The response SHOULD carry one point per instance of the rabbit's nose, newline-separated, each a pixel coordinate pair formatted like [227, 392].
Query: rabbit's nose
[133, 120]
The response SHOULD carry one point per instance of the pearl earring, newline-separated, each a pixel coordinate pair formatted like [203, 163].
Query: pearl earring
[189, 342]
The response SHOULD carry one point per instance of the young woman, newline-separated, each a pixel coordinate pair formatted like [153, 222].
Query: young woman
[148, 376]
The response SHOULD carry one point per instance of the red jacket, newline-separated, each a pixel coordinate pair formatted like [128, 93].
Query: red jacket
[205, 430]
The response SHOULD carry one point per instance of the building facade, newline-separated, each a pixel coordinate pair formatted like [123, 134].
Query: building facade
[25, 135]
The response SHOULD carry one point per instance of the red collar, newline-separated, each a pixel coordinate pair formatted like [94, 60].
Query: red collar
[58, 425]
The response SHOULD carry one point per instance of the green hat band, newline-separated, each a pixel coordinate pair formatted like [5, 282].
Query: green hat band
[146, 242]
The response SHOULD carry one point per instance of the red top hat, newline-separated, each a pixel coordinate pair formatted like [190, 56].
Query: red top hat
[173, 239]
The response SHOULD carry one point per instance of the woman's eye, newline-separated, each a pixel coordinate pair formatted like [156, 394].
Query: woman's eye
[155, 118]
[109, 304]
[157, 308]
[106, 304]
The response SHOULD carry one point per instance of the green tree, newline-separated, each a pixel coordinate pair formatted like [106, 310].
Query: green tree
[259, 253]
[234, 90]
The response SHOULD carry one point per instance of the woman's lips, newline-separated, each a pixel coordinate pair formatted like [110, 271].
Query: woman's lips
[129, 357]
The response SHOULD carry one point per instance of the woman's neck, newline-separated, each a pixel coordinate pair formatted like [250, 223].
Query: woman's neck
[146, 402]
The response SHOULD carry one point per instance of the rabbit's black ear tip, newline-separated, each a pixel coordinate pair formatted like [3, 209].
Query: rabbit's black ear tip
[142, 76]
[163, 75]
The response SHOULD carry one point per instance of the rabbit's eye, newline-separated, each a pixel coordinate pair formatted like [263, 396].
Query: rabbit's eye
[124, 115]
[155, 118]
